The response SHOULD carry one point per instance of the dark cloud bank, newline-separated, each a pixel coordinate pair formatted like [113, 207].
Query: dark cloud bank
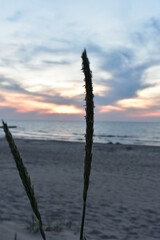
[121, 62]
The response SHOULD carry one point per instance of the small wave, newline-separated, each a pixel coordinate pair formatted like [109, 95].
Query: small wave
[113, 136]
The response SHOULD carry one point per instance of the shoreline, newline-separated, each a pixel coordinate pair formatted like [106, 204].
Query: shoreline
[19, 139]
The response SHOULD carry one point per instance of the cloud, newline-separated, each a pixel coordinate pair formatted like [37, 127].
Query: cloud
[60, 100]
[109, 108]
[2, 98]
[38, 57]
[16, 16]
[24, 103]
[137, 102]
[123, 67]
[127, 65]
[154, 23]
[45, 102]
[62, 62]
[117, 59]
[126, 74]
[7, 112]
[11, 113]
[148, 36]
[40, 49]
[10, 85]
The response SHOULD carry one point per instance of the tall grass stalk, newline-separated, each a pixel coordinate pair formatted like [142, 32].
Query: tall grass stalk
[15, 236]
[89, 132]
[26, 180]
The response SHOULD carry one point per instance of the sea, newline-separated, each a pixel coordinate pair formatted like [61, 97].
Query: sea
[138, 133]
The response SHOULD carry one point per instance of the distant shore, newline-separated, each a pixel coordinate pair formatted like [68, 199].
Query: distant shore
[123, 194]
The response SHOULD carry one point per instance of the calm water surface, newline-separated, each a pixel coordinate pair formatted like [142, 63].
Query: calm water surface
[146, 133]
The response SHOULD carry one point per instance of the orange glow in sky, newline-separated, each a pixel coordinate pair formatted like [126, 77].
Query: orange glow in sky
[135, 103]
[109, 108]
[24, 103]
[146, 114]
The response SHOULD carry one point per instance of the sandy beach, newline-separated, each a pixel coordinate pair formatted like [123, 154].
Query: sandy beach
[123, 199]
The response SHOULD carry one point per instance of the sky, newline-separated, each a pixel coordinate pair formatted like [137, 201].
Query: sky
[41, 43]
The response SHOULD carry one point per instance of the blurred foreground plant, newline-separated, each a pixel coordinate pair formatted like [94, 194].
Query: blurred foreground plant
[26, 180]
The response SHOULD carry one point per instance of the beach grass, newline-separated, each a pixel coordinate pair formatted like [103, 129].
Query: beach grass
[89, 133]
[15, 236]
[25, 178]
